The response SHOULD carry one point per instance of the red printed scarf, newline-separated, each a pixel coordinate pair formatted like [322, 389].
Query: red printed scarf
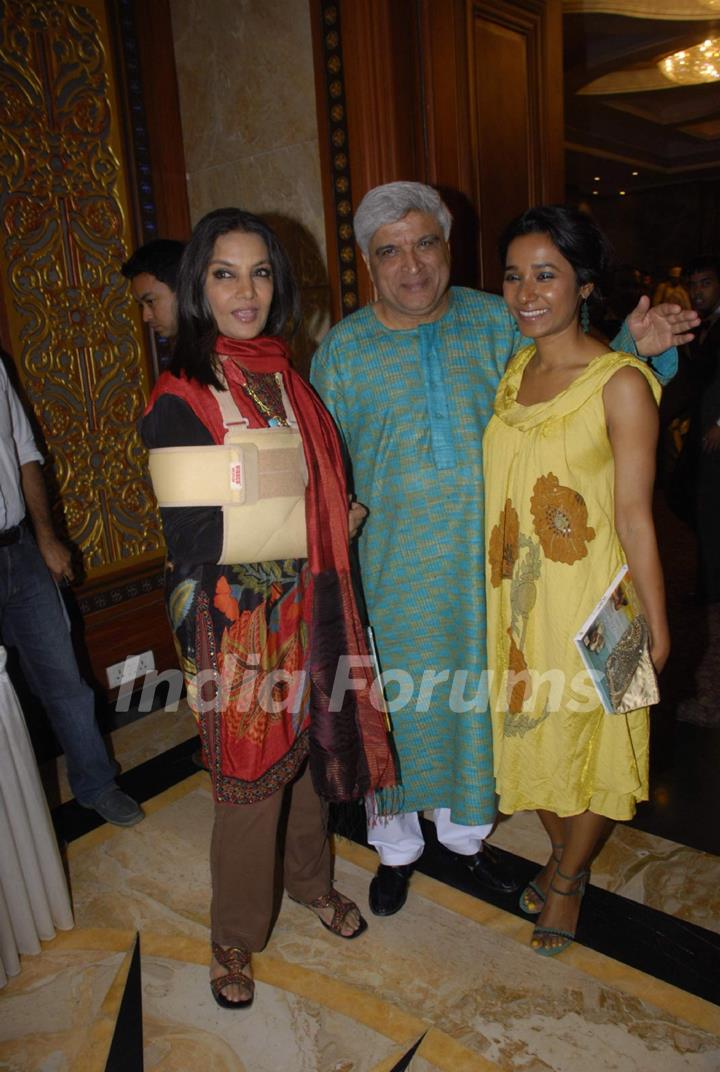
[350, 753]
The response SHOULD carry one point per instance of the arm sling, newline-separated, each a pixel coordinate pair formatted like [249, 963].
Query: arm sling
[257, 477]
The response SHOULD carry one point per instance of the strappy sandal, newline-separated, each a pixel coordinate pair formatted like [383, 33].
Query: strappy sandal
[532, 898]
[342, 906]
[234, 959]
[568, 936]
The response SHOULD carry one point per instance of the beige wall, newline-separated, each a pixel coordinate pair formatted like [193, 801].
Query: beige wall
[247, 100]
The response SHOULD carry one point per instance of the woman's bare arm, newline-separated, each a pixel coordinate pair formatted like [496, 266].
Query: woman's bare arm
[632, 423]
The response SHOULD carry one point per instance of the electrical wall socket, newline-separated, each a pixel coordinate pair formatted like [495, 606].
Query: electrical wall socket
[131, 668]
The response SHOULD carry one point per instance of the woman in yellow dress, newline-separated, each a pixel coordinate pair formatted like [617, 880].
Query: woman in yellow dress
[569, 471]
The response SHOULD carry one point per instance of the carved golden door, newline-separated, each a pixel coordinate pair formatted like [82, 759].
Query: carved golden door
[68, 218]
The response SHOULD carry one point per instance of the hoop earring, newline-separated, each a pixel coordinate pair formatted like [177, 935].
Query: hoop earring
[585, 316]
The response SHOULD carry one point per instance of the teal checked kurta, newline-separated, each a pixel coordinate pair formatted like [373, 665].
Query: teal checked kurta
[412, 407]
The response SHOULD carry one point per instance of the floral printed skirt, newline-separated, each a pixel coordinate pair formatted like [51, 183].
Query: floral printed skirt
[242, 634]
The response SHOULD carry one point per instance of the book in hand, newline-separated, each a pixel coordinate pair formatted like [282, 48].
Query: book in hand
[614, 644]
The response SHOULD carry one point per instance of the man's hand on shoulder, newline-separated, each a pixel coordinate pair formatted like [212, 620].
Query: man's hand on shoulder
[356, 516]
[657, 328]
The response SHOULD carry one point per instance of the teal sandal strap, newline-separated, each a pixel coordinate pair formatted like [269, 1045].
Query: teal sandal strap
[573, 878]
[581, 880]
[551, 932]
[539, 931]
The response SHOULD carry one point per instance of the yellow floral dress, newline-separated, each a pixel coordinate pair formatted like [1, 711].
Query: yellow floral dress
[552, 551]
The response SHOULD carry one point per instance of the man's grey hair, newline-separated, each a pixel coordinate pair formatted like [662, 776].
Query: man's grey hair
[391, 202]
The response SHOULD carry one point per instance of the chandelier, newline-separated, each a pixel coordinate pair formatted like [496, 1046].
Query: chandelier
[691, 66]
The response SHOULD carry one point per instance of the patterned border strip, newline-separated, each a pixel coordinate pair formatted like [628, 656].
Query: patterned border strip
[120, 593]
[339, 155]
[137, 124]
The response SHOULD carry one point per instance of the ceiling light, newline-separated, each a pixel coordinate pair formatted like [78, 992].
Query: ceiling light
[634, 172]
[691, 66]
[621, 192]
[596, 179]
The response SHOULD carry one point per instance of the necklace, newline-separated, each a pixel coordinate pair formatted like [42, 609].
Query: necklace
[265, 390]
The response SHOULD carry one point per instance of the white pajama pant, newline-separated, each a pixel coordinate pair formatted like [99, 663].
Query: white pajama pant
[398, 838]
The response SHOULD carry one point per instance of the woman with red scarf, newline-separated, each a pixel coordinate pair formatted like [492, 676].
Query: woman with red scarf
[261, 642]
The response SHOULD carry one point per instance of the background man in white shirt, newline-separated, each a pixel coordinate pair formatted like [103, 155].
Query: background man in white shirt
[33, 621]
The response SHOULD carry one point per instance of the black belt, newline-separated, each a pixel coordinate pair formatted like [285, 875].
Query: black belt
[10, 536]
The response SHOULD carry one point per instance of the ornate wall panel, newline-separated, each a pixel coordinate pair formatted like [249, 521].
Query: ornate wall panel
[335, 156]
[64, 230]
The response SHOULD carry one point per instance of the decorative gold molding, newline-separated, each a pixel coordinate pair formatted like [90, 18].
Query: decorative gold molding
[64, 230]
[339, 155]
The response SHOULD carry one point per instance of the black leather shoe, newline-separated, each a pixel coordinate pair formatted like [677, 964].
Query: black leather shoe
[388, 890]
[117, 808]
[489, 869]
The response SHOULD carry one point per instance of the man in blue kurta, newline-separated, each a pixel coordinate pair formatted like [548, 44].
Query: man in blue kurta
[411, 381]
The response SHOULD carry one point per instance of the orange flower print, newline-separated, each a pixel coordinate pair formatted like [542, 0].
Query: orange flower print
[224, 600]
[503, 547]
[519, 686]
[560, 518]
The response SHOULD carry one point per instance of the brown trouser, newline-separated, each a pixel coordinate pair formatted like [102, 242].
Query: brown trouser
[244, 860]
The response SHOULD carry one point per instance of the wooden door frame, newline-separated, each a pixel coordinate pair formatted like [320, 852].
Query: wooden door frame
[384, 87]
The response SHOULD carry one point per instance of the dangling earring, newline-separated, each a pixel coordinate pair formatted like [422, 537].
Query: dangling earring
[585, 316]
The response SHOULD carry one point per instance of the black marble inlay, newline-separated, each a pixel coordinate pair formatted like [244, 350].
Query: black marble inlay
[147, 780]
[404, 1062]
[679, 953]
[126, 1049]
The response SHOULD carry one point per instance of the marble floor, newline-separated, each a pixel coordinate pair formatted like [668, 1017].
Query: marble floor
[452, 971]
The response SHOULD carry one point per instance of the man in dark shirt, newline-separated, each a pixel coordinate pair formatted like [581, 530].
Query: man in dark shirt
[152, 271]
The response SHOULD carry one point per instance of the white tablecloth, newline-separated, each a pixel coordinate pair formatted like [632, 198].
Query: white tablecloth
[34, 897]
